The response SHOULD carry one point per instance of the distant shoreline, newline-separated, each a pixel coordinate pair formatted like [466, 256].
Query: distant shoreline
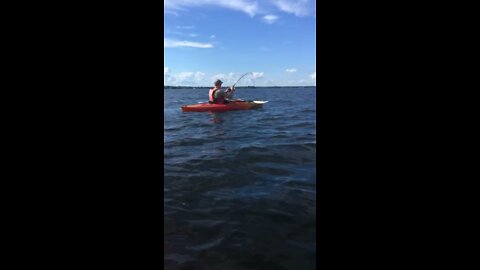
[207, 87]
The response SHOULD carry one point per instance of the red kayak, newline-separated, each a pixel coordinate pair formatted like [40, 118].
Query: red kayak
[231, 106]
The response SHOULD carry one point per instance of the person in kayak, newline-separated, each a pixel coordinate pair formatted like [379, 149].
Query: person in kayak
[218, 96]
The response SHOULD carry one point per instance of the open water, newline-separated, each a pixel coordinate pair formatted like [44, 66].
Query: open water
[240, 186]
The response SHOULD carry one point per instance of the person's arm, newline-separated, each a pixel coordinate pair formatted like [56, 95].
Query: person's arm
[230, 91]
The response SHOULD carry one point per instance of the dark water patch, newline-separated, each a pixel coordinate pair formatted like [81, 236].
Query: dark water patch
[240, 187]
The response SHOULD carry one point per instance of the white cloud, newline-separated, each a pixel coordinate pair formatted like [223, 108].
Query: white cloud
[314, 76]
[298, 7]
[258, 75]
[199, 76]
[188, 27]
[167, 76]
[291, 70]
[184, 78]
[252, 80]
[169, 32]
[248, 6]
[174, 32]
[170, 43]
[232, 77]
[171, 12]
[270, 18]
[229, 78]
[219, 76]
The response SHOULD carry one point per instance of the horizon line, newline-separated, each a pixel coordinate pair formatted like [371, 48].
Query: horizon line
[245, 86]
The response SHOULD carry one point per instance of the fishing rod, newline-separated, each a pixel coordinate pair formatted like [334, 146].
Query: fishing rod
[233, 86]
[241, 78]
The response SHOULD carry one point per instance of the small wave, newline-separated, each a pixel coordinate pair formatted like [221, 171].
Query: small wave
[189, 142]
[239, 189]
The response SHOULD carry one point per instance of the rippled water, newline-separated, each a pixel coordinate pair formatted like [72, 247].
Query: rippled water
[240, 188]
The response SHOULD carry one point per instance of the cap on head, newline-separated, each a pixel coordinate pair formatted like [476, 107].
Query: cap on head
[218, 82]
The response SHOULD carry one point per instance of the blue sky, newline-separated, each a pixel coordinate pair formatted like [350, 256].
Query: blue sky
[209, 39]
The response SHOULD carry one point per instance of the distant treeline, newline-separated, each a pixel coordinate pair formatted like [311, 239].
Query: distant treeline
[239, 87]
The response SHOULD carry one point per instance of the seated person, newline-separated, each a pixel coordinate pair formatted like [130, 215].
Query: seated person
[217, 95]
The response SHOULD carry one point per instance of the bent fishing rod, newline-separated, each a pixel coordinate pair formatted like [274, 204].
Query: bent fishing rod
[232, 88]
[241, 78]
